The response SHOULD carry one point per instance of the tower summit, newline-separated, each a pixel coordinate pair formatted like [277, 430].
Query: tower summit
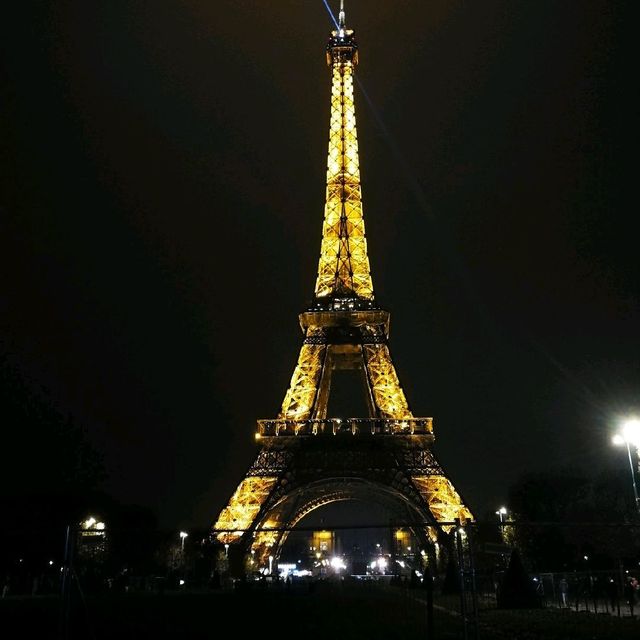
[308, 459]
[343, 268]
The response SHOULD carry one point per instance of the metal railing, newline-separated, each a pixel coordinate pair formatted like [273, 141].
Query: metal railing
[352, 426]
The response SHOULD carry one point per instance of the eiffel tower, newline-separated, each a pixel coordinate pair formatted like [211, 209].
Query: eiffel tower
[306, 459]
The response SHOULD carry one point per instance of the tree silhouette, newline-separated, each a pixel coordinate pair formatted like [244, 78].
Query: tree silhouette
[517, 590]
[48, 474]
[561, 502]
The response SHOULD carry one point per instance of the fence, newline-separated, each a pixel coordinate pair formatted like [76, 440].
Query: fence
[460, 586]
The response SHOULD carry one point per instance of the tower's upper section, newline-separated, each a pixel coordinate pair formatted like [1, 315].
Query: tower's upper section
[342, 45]
[343, 269]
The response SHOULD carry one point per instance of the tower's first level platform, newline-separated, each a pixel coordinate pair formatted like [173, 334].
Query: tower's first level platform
[339, 426]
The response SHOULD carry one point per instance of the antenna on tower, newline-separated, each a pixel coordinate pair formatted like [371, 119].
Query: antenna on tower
[341, 16]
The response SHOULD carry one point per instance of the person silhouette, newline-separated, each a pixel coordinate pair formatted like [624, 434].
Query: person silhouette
[629, 594]
[564, 590]
[612, 593]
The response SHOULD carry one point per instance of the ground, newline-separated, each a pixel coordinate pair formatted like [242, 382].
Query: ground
[361, 611]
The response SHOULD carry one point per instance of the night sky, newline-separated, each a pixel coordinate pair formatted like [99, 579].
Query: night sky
[161, 199]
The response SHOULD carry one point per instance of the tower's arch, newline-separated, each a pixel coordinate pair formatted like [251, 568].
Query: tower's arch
[272, 530]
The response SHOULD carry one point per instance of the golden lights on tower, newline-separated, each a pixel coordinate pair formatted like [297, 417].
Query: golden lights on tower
[243, 508]
[344, 329]
[343, 269]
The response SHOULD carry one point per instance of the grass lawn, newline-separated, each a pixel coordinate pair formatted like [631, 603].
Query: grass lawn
[348, 614]
[353, 613]
[555, 624]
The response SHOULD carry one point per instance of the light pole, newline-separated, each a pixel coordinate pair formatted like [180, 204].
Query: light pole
[501, 513]
[183, 535]
[630, 435]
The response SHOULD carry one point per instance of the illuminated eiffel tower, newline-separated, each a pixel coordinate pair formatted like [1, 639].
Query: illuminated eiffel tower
[307, 459]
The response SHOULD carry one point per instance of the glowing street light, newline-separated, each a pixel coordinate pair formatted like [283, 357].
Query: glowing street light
[631, 431]
[630, 435]
[183, 535]
[501, 513]
[92, 527]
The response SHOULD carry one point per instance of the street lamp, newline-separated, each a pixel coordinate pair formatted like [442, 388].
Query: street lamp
[183, 535]
[501, 513]
[630, 435]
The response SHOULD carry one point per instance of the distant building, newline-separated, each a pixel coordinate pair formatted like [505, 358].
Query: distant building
[322, 544]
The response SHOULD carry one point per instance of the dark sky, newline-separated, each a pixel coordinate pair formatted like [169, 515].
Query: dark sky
[162, 188]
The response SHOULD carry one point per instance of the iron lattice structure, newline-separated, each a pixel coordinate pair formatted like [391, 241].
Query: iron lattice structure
[306, 459]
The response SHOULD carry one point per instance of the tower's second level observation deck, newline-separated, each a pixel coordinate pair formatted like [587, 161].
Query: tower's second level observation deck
[340, 312]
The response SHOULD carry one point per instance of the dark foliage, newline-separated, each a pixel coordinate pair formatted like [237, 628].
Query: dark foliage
[49, 451]
[49, 473]
[517, 590]
[566, 515]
